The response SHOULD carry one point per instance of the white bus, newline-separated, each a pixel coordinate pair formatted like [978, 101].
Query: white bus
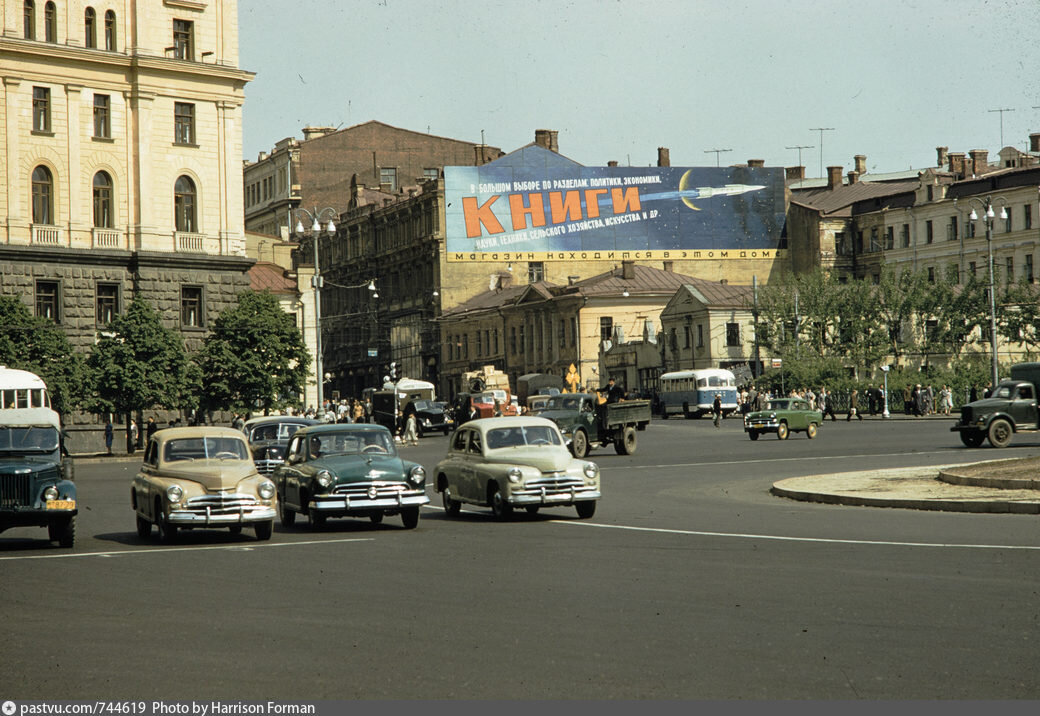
[22, 389]
[692, 392]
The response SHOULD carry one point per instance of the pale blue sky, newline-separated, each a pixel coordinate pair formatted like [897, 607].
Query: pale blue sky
[620, 78]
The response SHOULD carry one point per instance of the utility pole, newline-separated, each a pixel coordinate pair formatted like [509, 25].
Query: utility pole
[821, 130]
[717, 153]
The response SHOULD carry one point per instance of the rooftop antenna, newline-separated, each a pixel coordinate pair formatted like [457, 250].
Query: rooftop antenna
[717, 153]
[1001, 123]
[800, 147]
[821, 130]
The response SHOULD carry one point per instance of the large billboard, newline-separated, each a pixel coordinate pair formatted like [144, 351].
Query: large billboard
[502, 211]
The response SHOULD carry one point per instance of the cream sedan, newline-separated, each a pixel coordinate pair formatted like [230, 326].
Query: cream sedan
[512, 462]
[201, 477]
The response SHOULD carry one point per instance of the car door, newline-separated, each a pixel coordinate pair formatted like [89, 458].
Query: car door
[1023, 407]
[287, 475]
[454, 464]
[472, 483]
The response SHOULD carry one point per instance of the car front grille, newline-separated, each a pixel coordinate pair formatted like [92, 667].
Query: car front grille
[966, 413]
[383, 490]
[221, 504]
[266, 467]
[15, 490]
[551, 483]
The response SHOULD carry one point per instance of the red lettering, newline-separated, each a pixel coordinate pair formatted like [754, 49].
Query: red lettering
[480, 214]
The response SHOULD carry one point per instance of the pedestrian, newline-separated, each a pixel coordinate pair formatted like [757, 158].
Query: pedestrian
[974, 394]
[411, 436]
[872, 402]
[108, 436]
[150, 428]
[918, 400]
[826, 405]
[946, 400]
[614, 391]
[133, 436]
[359, 412]
[716, 410]
[853, 406]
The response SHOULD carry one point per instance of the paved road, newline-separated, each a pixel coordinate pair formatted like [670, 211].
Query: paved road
[691, 582]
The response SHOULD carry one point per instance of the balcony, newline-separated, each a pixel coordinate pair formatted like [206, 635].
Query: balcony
[46, 235]
[191, 243]
[107, 239]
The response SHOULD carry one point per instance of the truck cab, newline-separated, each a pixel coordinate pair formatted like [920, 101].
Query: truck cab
[586, 423]
[1011, 408]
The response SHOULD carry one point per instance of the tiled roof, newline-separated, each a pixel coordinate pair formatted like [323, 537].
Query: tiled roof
[645, 280]
[487, 300]
[722, 295]
[267, 276]
[832, 201]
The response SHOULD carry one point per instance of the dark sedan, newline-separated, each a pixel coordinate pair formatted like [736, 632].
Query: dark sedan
[430, 416]
[268, 437]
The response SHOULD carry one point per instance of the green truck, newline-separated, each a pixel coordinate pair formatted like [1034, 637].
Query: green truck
[585, 423]
[1010, 409]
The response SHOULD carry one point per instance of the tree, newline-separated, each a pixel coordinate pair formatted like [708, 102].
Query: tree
[255, 358]
[40, 346]
[139, 364]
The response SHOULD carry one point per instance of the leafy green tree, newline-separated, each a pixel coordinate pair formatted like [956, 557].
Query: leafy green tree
[255, 358]
[139, 364]
[38, 345]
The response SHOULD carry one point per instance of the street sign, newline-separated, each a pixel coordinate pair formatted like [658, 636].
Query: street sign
[777, 362]
[373, 352]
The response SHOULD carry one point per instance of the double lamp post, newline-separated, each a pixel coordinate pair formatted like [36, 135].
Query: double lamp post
[988, 216]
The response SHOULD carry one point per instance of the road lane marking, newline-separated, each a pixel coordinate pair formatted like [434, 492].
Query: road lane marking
[780, 538]
[604, 467]
[204, 548]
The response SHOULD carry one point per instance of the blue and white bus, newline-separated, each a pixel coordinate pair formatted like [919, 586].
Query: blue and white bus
[692, 392]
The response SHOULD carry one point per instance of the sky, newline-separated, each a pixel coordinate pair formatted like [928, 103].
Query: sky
[888, 79]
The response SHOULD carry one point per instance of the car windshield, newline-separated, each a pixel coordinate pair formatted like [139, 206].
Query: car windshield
[205, 448]
[1003, 391]
[370, 442]
[521, 435]
[562, 403]
[779, 404]
[422, 404]
[36, 438]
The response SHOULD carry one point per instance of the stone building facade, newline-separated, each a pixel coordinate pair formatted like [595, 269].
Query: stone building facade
[120, 142]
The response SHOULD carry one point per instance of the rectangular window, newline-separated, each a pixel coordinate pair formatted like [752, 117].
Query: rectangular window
[890, 238]
[931, 329]
[183, 123]
[535, 271]
[1027, 216]
[512, 340]
[951, 229]
[904, 236]
[1028, 272]
[686, 337]
[41, 109]
[523, 338]
[184, 40]
[431, 174]
[562, 336]
[971, 229]
[48, 300]
[929, 234]
[191, 307]
[700, 335]
[1007, 221]
[732, 334]
[1009, 276]
[495, 334]
[465, 345]
[107, 302]
[931, 274]
[102, 116]
[972, 268]
[388, 176]
[574, 331]
[606, 328]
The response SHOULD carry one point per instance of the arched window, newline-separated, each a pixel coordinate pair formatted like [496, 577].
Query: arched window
[90, 25]
[29, 19]
[50, 22]
[110, 30]
[184, 205]
[103, 201]
[42, 196]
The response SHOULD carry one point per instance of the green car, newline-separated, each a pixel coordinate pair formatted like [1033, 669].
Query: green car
[347, 470]
[783, 417]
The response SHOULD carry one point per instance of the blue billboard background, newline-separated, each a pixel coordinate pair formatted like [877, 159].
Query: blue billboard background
[679, 208]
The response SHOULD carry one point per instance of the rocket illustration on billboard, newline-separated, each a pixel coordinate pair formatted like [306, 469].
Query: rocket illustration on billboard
[688, 193]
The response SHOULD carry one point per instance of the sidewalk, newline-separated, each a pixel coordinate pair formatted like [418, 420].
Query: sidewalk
[996, 486]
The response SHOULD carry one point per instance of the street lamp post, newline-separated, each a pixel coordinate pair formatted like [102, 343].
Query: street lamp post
[316, 282]
[988, 214]
[884, 413]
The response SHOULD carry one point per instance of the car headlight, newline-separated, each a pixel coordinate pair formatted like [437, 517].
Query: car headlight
[426, 422]
[266, 490]
[324, 478]
[515, 474]
[417, 475]
[51, 493]
[174, 493]
[591, 470]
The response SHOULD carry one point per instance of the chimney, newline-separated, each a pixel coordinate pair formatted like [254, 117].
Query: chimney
[1034, 143]
[756, 162]
[833, 178]
[979, 161]
[547, 138]
[261, 157]
[663, 157]
[853, 177]
[794, 173]
[612, 163]
[571, 280]
[315, 132]
[942, 155]
[357, 190]
[505, 279]
[860, 161]
[479, 158]
[957, 164]
[628, 270]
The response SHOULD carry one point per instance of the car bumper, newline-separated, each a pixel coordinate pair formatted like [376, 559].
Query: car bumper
[208, 518]
[32, 517]
[544, 497]
[761, 425]
[345, 504]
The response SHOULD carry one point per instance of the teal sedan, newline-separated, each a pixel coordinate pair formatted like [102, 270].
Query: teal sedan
[784, 416]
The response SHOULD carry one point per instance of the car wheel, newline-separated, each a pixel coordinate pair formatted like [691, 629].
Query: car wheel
[63, 531]
[580, 444]
[316, 519]
[167, 532]
[410, 517]
[627, 444]
[263, 530]
[972, 439]
[375, 517]
[1000, 433]
[781, 431]
[445, 432]
[418, 430]
[532, 509]
[753, 434]
[501, 509]
[811, 431]
[235, 529]
[585, 509]
[452, 506]
[144, 527]
[286, 515]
